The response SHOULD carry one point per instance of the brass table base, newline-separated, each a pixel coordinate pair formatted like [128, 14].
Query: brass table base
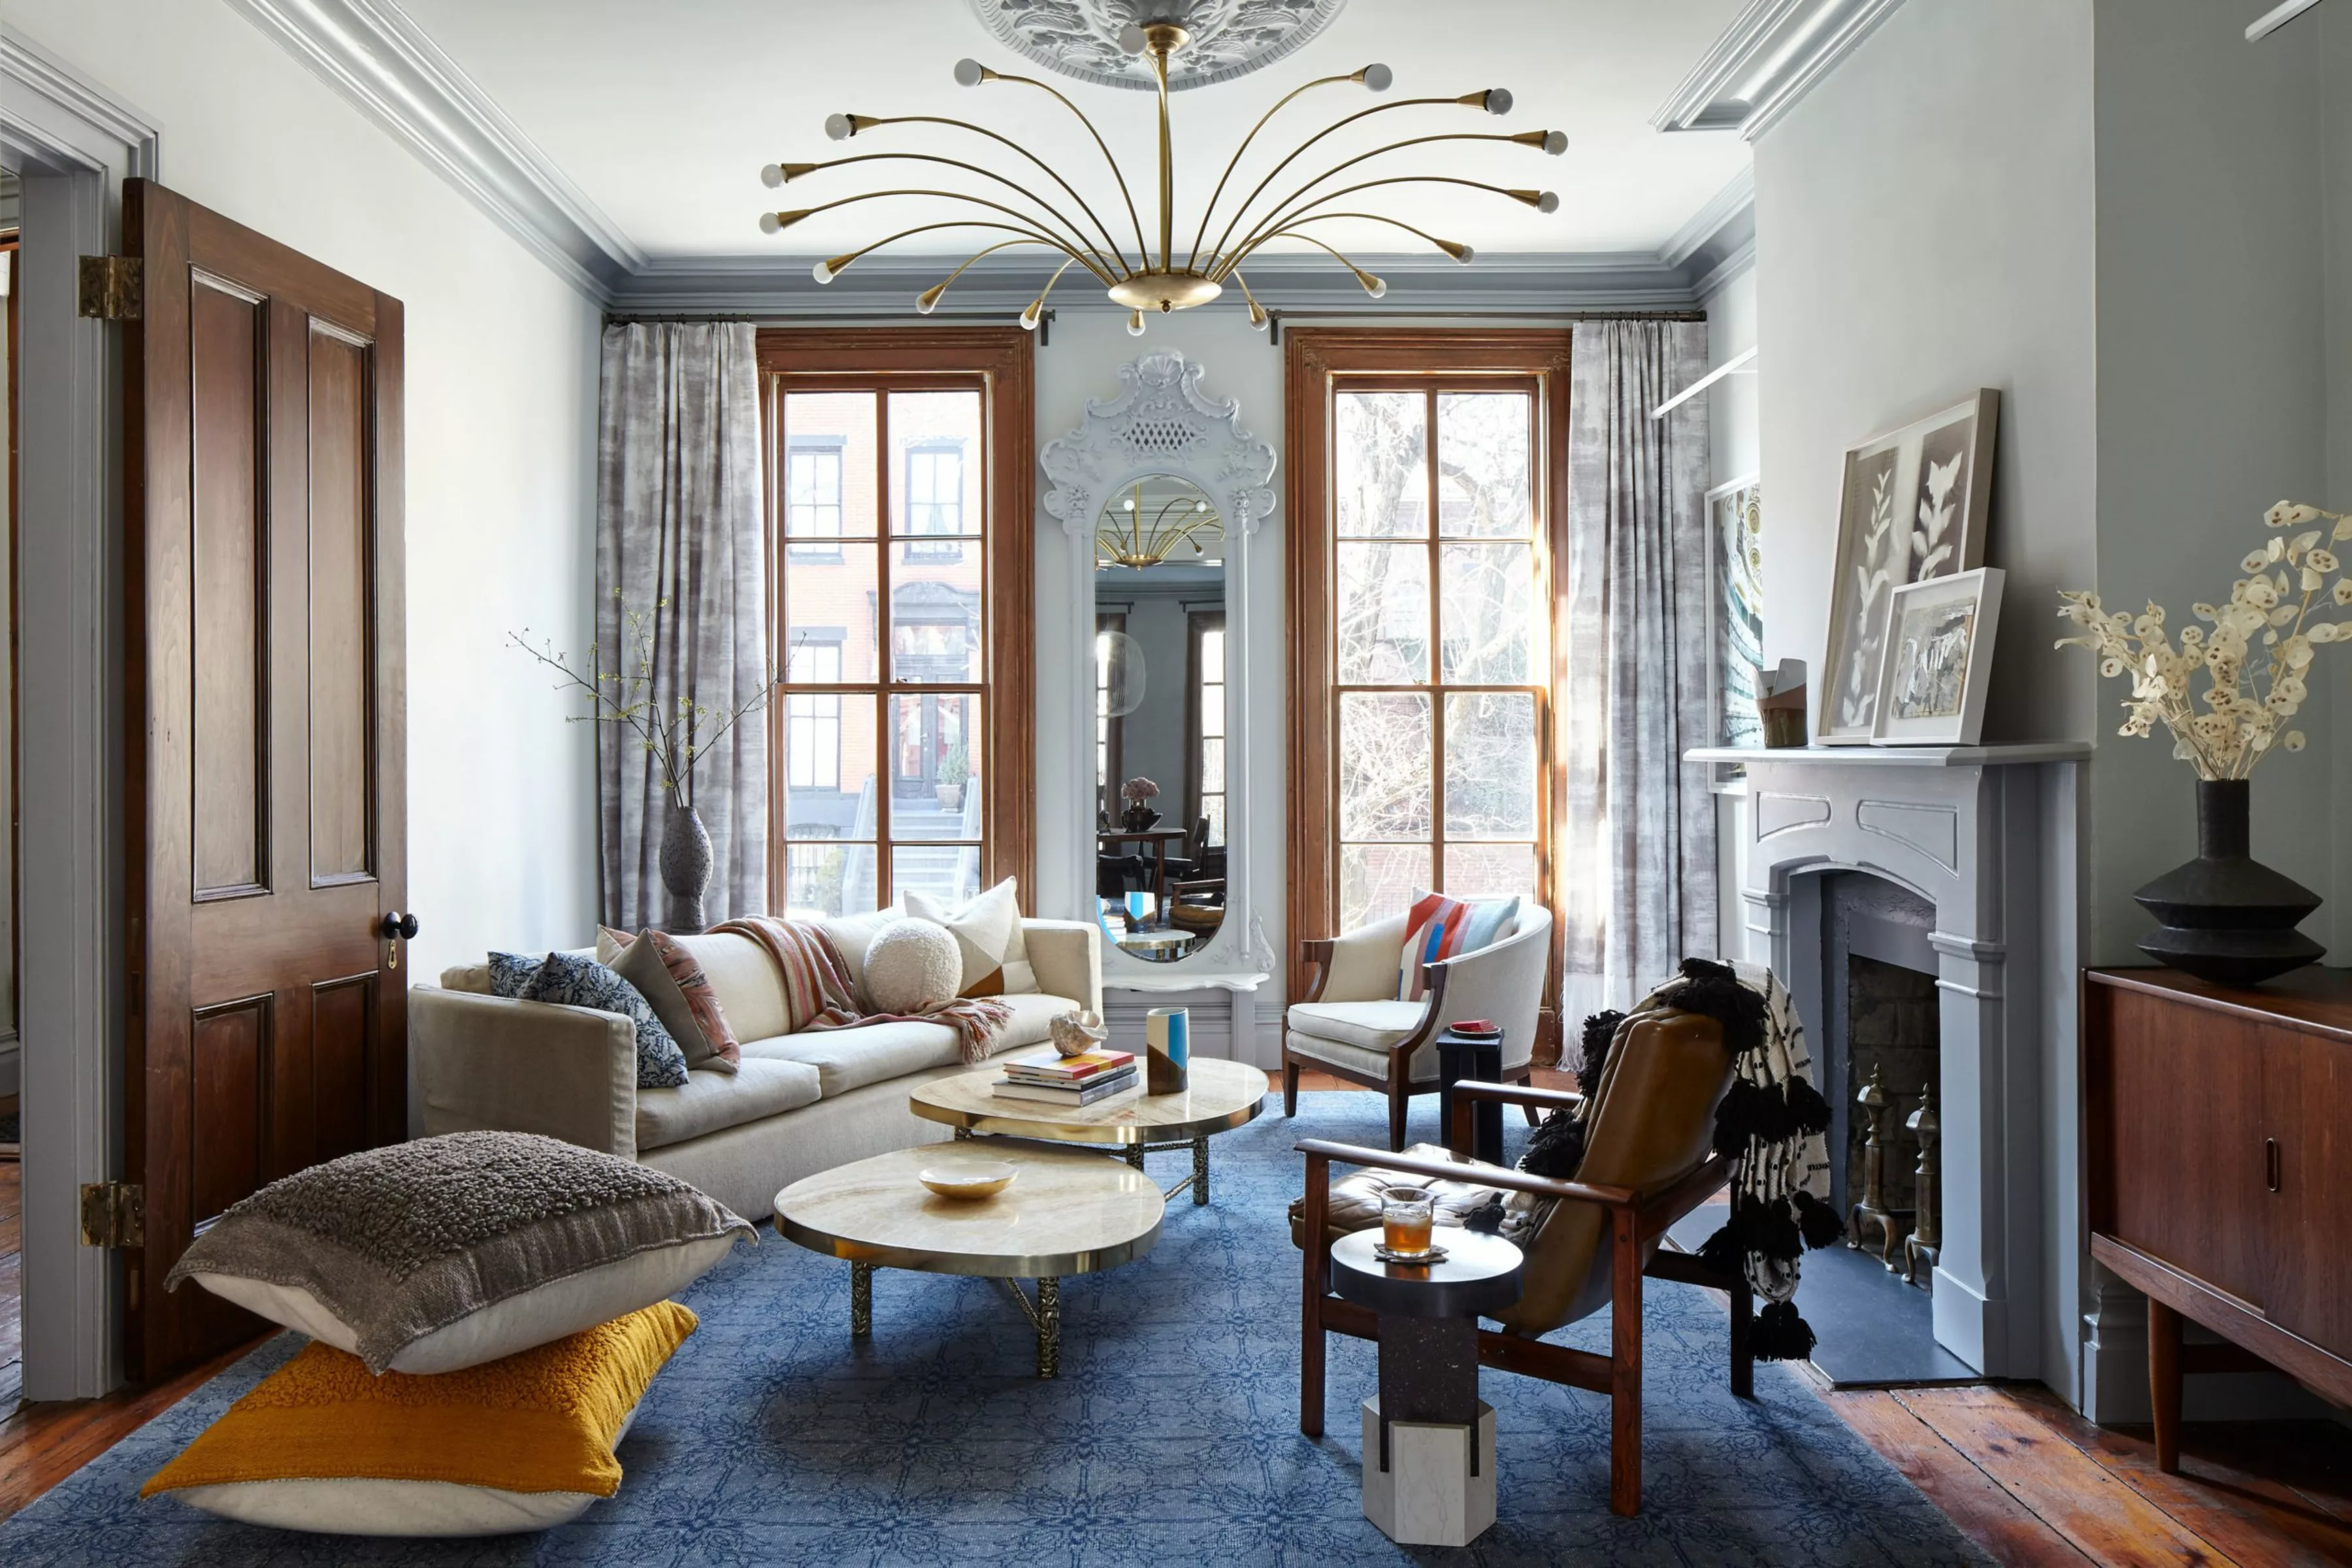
[1044, 1314]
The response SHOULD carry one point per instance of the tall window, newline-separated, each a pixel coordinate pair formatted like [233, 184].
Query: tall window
[1110, 631]
[812, 496]
[1206, 764]
[1422, 560]
[934, 501]
[890, 621]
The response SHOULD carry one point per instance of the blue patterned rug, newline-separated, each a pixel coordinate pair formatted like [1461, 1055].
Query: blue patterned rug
[1171, 1436]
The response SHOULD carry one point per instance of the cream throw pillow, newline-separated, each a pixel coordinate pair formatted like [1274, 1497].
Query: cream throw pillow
[988, 930]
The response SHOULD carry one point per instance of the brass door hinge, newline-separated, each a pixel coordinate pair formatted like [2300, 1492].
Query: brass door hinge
[113, 1214]
[112, 287]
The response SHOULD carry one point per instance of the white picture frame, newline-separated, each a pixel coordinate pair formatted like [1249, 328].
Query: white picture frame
[1913, 506]
[1937, 660]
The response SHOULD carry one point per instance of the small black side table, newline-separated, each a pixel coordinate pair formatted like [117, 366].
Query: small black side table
[1479, 1061]
[1428, 1419]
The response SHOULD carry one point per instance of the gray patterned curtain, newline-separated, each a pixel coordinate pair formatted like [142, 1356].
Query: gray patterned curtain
[678, 541]
[1637, 852]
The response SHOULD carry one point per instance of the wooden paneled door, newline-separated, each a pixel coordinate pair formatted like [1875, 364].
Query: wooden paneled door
[267, 754]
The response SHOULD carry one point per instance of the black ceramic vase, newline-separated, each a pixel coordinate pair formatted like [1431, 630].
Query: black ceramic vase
[2224, 916]
[685, 862]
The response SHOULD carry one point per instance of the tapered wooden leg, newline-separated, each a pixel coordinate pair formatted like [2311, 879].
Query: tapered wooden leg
[1310, 1308]
[1533, 1114]
[2164, 1383]
[1743, 1353]
[1399, 1102]
[1289, 1086]
[1624, 1367]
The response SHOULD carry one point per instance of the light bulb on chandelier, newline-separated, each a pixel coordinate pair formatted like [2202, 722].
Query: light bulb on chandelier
[1143, 285]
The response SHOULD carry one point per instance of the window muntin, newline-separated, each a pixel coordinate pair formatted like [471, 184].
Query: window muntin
[812, 497]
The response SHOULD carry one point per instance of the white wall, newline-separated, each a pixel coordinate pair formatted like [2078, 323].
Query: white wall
[501, 393]
[1733, 432]
[2211, 400]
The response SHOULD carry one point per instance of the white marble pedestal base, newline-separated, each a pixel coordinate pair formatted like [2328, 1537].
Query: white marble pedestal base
[1438, 1488]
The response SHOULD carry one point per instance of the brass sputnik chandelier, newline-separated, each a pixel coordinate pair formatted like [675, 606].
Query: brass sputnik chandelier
[1133, 535]
[1142, 284]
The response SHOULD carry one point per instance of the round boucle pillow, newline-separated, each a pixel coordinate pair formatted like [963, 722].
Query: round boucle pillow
[912, 966]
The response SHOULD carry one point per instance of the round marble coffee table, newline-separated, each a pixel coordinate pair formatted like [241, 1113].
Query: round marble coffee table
[1066, 1213]
[1218, 1097]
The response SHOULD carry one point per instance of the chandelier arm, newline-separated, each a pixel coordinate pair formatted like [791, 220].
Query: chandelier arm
[1235, 162]
[1226, 267]
[1058, 244]
[842, 263]
[1372, 217]
[1076, 233]
[1142, 250]
[1037, 306]
[1281, 209]
[1118, 256]
[941, 286]
[1227, 233]
[1257, 311]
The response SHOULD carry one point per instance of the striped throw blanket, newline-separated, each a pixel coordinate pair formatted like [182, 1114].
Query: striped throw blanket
[818, 994]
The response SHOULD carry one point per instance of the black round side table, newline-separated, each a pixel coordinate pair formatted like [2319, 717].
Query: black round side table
[1429, 1443]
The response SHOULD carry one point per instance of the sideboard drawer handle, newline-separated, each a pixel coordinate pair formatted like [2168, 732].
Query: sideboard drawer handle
[2270, 1163]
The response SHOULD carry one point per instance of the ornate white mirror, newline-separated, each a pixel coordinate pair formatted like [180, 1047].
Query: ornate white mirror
[1159, 493]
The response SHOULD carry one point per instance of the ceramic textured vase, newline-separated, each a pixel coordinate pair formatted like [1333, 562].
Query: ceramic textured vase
[2224, 916]
[685, 863]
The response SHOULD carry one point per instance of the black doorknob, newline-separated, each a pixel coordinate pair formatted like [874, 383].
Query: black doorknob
[396, 924]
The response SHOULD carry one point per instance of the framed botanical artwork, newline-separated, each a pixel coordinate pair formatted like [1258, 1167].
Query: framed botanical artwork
[1736, 609]
[1938, 656]
[1912, 509]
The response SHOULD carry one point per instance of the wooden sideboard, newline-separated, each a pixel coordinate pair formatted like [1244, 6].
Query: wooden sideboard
[2218, 1133]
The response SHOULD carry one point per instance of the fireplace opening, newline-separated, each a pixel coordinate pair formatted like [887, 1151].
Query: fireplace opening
[1880, 1053]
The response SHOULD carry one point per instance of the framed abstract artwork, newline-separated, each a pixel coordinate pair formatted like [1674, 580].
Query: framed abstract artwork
[1736, 609]
[1939, 655]
[1912, 509]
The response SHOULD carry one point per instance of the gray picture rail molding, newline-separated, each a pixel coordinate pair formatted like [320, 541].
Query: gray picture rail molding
[1772, 54]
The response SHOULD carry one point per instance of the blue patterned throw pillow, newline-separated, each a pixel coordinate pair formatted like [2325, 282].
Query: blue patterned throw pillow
[580, 982]
[511, 973]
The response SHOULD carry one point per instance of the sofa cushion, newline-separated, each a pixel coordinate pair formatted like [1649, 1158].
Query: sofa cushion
[847, 1058]
[680, 994]
[853, 934]
[744, 979]
[987, 930]
[1367, 1025]
[710, 1101]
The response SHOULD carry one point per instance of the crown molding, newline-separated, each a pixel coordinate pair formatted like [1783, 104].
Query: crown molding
[34, 75]
[1773, 53]
[887, 285]
[372, 54]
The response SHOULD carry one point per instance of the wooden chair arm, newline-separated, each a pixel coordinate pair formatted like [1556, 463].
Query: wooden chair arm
[1517, 1094]
[1315, 951]
[1432, 1002]
[1322, 1153]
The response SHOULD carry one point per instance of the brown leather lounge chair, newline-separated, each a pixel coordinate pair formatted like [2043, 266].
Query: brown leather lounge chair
[1647, 1164]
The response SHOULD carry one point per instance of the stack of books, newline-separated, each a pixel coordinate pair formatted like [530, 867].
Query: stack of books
[1066, 1080]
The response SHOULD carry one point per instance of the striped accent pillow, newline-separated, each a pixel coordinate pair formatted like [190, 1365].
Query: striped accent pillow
[1439, 928]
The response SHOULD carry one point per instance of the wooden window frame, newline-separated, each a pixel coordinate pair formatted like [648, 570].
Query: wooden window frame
[1001, 362]
[1316, 360]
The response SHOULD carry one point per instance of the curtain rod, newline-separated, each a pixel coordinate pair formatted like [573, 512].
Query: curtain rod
[1274, 318]
[826, 318]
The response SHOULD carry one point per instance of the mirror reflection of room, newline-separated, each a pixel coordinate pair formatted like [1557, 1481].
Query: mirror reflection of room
[1161, 719]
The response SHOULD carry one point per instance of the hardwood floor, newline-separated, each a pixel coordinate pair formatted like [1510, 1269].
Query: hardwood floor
[2020, 1474]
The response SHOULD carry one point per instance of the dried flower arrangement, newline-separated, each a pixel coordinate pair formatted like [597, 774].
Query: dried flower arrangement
[2250, 696]
[677, 734]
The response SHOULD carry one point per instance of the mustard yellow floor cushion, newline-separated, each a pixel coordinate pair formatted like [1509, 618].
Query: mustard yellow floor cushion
[517, 1444]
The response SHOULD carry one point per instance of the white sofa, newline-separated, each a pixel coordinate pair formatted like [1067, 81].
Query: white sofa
[802, 1103]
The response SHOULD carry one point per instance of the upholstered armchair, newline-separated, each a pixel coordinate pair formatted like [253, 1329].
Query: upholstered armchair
[1352, 1026]
[1647, 1163]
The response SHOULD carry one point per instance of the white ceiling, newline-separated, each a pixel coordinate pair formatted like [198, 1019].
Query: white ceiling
[661, 116]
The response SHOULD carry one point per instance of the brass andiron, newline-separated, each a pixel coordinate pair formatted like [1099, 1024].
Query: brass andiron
[1873, 1210]
[1927, 1240]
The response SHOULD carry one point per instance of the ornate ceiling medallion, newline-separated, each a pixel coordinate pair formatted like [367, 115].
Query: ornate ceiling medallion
[1080, 38]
